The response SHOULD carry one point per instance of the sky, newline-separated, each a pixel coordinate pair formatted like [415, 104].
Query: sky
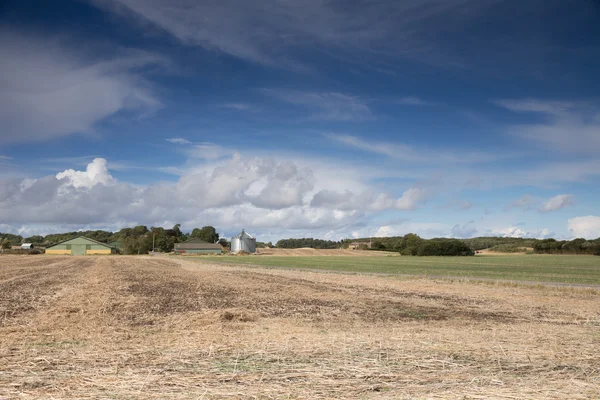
[315, 118]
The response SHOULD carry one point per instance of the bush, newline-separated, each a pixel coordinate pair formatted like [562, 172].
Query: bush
[444, 247]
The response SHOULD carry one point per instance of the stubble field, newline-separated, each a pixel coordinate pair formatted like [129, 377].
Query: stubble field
[157, 328]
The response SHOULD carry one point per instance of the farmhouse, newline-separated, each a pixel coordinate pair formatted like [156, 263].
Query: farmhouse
[79, 246]
[197, 246]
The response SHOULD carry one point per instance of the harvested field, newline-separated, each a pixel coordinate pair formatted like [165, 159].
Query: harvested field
[157, 328]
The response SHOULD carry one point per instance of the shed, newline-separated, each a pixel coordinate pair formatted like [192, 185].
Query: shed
[197, 246]
[359, 245]
[79, 246]
[243, 242]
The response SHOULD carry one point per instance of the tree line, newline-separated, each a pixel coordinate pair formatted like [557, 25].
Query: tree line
[137, 240]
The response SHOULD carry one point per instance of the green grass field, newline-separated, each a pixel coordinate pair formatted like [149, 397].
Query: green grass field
[537, 268]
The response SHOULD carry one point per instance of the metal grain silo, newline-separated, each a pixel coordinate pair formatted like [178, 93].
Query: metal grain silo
[243, 242]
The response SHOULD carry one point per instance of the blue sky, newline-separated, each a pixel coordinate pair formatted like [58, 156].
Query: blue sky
[313, 118]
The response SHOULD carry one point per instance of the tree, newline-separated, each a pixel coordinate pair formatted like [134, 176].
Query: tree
[410, 244]
[378, 245]
[139, 245]
[6, 244]
[177, 230]
[207, 233]
[34, 239]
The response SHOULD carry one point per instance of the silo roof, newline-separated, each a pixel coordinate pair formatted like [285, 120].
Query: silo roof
[243, 235]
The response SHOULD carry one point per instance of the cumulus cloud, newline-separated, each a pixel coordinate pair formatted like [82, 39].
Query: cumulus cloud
[47, 91]
[558, 202]
[240, 191]
[516, 232]
[585, 227]
[95, 173]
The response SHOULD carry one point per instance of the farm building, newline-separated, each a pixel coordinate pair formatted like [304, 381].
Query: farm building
[79, 246]
[243, 242]
[197, 246]
[359, 245]
[27, 246]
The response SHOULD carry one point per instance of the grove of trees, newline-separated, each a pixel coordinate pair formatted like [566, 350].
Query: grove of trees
[306, 242]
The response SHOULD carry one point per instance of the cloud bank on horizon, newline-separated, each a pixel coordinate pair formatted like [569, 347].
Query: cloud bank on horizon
[296, 119]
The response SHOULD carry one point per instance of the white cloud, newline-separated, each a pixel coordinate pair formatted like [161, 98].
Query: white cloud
[558, 202]
[411, 198]
[516, 232]
[325, 105]
[585, 227]
[95, 173]
[47, 91]
[262, 193]
[568, 126]
[178, 140]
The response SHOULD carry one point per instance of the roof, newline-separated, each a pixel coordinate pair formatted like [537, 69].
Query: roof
[243, 235]
[76, 237]
[197, 244]
[27, 244]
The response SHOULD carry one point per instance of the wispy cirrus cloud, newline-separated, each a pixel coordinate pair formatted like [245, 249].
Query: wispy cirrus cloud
[572, 126]
[525, 202]
[241, 107]
[333, 106]
[400, 151]
[48, 90]
[178, 140]
[413, 101]
[400, 29]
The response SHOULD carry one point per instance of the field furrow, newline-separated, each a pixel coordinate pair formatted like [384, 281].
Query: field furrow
[169, 328]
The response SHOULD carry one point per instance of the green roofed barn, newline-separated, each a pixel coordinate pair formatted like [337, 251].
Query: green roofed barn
[79, 246]
[197, 246]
